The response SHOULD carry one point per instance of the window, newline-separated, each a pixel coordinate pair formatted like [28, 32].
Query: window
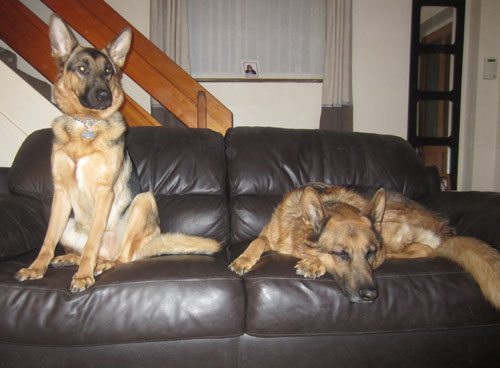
[285, 37]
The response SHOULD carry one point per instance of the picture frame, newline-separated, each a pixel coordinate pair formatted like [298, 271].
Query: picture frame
[250, 68]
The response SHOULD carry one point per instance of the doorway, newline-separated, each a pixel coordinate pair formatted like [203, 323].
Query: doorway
[435, 82]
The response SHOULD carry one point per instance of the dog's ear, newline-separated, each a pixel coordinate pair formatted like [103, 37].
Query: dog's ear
[118, 48]
[375, 209]
[313, 211]
[62, 40]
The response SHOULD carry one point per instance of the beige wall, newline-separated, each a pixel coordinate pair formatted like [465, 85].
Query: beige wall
[381, 64]
[486, 147]
[20, 116]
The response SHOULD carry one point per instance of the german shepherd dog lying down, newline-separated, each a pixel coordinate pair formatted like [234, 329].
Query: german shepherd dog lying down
[337, 230]
[93, 175]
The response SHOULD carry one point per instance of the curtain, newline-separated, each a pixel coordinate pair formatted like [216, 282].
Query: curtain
[336, 111]
[169, 31]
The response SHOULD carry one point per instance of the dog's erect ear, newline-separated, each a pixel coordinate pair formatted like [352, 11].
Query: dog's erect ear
[62, 40]
[313, 211]
[375, 209]
[118, 48]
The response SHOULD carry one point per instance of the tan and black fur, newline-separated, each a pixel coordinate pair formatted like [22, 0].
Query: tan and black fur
[93, 175]
[337, 230]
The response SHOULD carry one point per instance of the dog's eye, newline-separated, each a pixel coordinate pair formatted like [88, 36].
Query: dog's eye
[107, 70]
[343, 255]
[370, 254]
[82, 69]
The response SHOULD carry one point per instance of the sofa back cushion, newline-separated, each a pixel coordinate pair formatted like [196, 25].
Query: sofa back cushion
[184, 168]
[265, 163]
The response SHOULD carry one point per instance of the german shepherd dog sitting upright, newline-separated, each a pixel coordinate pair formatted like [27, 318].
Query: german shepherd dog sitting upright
[338, 230]
[93, 173]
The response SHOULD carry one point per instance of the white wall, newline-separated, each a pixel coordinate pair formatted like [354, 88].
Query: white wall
[485, 173]
[286, 105]
[20, 116]
[469, 95]
[381, 65]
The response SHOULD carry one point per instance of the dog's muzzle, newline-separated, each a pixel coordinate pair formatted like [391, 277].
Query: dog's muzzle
[97, 99]
[366, 294]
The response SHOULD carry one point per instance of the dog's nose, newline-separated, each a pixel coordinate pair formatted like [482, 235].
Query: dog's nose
[103, 95]
[368, 294]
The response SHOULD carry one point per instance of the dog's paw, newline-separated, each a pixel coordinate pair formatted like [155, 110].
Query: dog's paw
[310, 267]
[242, 265]
[79, 284]
[66, 260]
[103, 266]
[29, 274]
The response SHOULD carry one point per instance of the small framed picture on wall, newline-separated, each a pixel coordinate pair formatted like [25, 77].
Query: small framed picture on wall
[250, 68]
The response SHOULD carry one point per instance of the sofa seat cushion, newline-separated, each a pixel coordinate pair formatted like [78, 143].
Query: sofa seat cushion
[414, 295]
[158, 299]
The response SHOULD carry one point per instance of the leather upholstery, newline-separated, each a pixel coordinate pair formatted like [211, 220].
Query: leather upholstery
[265, 163]
[191, 311]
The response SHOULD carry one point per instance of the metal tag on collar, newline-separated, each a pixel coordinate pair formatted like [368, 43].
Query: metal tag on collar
[88, 133]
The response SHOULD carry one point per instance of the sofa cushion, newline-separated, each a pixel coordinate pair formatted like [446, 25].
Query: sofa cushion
[22, 225]
[163, 298]
[470, 213]
[30, 174]
[414, 295]
[265, 163]
[185, 170]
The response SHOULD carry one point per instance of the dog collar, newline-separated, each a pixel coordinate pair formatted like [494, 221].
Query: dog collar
[88, 124]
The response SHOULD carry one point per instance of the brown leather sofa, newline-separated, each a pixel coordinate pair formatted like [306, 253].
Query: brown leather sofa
[192, 311]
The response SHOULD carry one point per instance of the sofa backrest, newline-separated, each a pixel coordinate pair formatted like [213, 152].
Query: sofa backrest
[184, 169]
[264, 163]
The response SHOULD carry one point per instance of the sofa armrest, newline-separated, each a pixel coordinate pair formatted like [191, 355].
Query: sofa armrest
[22, 225]
[4, 188]
[470, 213]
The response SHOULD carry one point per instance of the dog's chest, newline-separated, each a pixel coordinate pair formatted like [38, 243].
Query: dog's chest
[87, 171]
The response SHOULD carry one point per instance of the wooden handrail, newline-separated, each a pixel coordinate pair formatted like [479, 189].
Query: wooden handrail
[147, 65]
[28, 36]
[202, 110]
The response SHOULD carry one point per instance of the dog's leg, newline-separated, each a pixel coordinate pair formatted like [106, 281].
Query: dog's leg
[250, 256]
[413, 250]
[61, 209]
[311, 267]
[84, 278]
[142, 224]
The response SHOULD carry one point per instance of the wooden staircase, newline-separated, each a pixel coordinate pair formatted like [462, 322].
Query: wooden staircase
[147, 65]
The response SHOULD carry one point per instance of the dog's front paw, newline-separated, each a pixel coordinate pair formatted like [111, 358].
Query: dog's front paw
[242, 265]
[104, 266]
[310, 267]
[66, 260]
[29, 274]
[80, 283]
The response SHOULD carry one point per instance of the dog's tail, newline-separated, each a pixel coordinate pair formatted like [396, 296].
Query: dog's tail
[177, 243]
[478, 258]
